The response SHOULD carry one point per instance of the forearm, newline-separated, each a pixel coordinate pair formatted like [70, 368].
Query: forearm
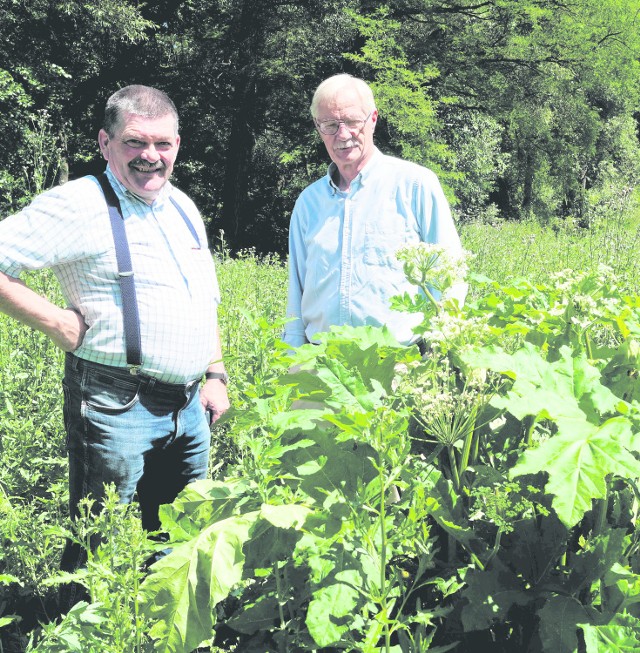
[213, 394]
[217, 365]
[20, 302]
[65, 327]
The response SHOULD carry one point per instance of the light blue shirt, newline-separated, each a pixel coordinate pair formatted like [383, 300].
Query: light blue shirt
[68, 230]
[342, 245]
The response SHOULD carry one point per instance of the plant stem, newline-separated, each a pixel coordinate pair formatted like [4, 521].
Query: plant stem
[601, 512]
[383, 546]
[468, 440]
[587, 342]
[136, 605]
[453, 464]
[529, 434]
[276, 572]
[431, 298]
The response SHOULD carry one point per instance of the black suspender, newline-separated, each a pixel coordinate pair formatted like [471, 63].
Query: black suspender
[131, 319]
[125, 276]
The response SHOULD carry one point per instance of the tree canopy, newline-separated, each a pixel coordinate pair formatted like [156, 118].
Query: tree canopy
[523, 107]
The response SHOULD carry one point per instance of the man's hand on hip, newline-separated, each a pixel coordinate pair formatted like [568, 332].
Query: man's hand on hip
[65, 326]
[71, 330]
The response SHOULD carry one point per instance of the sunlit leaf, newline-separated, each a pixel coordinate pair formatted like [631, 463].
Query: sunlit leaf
[578, 460]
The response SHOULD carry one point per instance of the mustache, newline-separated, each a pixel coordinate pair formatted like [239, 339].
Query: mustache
[140, 163]
[345, 144]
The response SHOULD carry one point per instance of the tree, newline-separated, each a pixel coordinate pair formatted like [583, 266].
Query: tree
[550, 73]
[529, 103]
[52, 55]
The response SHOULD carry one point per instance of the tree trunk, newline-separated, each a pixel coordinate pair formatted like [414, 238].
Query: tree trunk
[249, 38]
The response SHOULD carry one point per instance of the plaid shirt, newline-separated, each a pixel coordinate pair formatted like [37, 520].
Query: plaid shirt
[67, 229]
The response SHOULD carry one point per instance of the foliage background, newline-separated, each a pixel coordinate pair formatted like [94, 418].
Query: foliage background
[524, 108]
[527, 110]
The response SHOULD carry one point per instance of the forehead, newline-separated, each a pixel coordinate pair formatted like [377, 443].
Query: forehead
[131, 123]
[344, 102]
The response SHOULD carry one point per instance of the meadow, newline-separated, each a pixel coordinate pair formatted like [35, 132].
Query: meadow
[295, 542]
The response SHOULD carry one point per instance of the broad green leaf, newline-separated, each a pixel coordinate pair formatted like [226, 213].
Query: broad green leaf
[285, 516]
[621, 635]
[373, 351]
[5, 621]
[444, 505]
[351, 424]
[311, 466]
[559, 619]
[260, 615]
[623, 587]
[343, 466]
[295, 420]
[270, 544]
[577, 462]
[318, 555]
[621, 372]
[182, 589]
[490, 594]
[6, 579]
[365, 336]
[330, 612]
[534, 547]
[351, 370]
[200, 504]
[591, 564]
[347, 387]
[563, 390]
[334, 385]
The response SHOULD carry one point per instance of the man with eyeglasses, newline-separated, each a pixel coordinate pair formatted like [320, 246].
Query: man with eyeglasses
[347, 227]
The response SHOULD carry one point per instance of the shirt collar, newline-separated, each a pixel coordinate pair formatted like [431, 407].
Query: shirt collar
[122, 190]
[362, 177]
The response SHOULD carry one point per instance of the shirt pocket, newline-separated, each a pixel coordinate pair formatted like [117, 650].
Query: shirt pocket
[384, 236]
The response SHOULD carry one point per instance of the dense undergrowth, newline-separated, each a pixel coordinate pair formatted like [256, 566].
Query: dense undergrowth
[363, 497]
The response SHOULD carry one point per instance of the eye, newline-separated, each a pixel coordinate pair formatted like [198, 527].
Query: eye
[133, 142]
[330, 124]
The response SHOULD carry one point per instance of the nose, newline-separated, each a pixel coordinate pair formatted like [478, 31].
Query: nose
[150, 153]
[344, 133]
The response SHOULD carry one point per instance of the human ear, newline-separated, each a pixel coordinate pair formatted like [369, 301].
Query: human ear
[103, 141]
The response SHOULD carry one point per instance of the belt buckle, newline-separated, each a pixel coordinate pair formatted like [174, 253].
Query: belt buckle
[134, 369]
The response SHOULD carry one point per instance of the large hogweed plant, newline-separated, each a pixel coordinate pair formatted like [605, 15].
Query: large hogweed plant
[481, 496]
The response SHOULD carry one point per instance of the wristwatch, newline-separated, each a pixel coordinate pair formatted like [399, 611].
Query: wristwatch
[220, 376]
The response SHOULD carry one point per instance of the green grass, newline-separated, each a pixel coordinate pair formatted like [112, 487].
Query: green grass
[504, 251]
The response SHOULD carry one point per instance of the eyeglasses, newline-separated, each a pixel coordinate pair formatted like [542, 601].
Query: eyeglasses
[331, 127]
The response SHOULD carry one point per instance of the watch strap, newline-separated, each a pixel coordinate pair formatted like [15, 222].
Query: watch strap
[220, 376]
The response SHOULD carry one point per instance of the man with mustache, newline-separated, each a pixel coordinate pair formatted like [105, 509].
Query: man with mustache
[135, 411]
[347, 227]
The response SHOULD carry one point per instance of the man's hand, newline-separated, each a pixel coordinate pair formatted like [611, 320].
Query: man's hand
[71, 330]
[213, 397]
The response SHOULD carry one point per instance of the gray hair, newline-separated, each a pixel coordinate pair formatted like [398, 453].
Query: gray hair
[138, 100]
[330, 87]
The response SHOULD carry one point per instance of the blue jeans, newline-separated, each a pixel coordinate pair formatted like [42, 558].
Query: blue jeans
[146, 437]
